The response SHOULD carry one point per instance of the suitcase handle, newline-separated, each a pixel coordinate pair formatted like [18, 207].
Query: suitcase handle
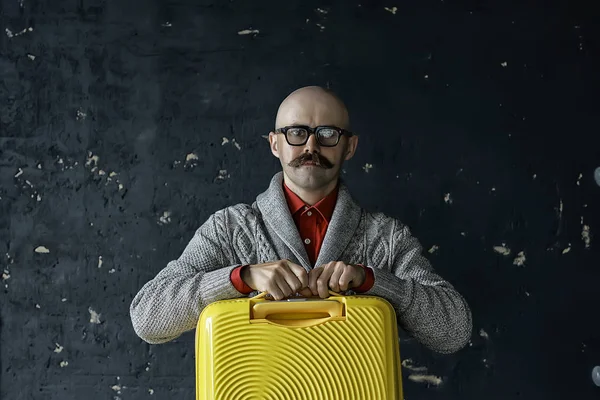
[298, 314]
[263, 294]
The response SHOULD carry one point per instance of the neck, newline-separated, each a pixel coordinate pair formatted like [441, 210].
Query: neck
[310, 196]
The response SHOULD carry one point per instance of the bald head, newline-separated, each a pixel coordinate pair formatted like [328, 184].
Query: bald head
[312, 106]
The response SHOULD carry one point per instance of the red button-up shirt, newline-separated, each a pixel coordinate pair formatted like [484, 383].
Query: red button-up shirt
[312, 223]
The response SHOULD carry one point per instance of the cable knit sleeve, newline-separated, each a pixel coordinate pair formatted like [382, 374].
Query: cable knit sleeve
[171, 303]
[427, 306]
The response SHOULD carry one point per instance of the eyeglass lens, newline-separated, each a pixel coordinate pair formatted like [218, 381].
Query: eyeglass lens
[326, 136]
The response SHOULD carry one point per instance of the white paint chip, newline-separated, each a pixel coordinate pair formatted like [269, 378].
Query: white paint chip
[58, 348]
[165, 218]
[222, 175]
[520, 259]
[111, 271]
[91, 159]
[566, 250]
[63, 299]
[367, 167]
[31, 57]
[94, 316]
[225, 141]
[190, 157]
[80, 115]
[5, 275]
[585, 236]
[505, 251]
[322, 11]
[42, 250]
[151, 391]
[433, 249]
[393, 10]
[100, 261]
[447, 198]
[167, 25]
[249, 32]
[579, 179]
[431, 379]
[484, 334]
[408, 364]
[38, 306]
[19, 173]
[504, 64]
[64, 364]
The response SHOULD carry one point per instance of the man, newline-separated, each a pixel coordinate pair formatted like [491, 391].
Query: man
[303, 236]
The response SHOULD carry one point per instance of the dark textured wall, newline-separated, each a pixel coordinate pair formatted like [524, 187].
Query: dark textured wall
[124, 124]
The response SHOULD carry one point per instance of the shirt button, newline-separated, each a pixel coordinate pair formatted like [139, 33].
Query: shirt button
[309, 213]
[307, 241]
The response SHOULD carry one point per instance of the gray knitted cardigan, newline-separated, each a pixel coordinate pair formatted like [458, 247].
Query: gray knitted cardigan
[428, 307]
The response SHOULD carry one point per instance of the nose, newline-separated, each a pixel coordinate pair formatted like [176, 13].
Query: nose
[311, 144]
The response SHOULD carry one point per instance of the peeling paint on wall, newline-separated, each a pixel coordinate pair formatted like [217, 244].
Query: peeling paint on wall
[42, 250]
[222, 175]
[10, 34]
[94, 316]
[408, 364]
[431, 379]
[249, 32]
[520, 259]
[505, 251]
[165, 218]
[585, 236]
[190, 157]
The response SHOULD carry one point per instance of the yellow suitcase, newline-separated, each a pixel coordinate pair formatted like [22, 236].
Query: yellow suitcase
[338, 348]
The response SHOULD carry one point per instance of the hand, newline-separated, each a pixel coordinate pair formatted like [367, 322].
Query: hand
[280, 278]
[336, 275]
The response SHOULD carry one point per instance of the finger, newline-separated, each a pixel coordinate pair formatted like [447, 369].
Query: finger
[346, 278]
[286, 290]
[274, 292]
[306, 292]
[334, 281]
[313, 276]
[300, 273]
[323, 282]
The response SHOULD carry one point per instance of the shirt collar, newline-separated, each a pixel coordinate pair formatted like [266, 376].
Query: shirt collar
[325, 206]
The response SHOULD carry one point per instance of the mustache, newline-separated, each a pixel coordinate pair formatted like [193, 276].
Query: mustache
[318, 159]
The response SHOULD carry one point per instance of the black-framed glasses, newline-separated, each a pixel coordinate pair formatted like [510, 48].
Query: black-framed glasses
[328, 136]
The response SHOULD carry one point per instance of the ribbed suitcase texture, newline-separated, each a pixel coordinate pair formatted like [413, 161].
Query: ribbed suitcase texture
[339, 348]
